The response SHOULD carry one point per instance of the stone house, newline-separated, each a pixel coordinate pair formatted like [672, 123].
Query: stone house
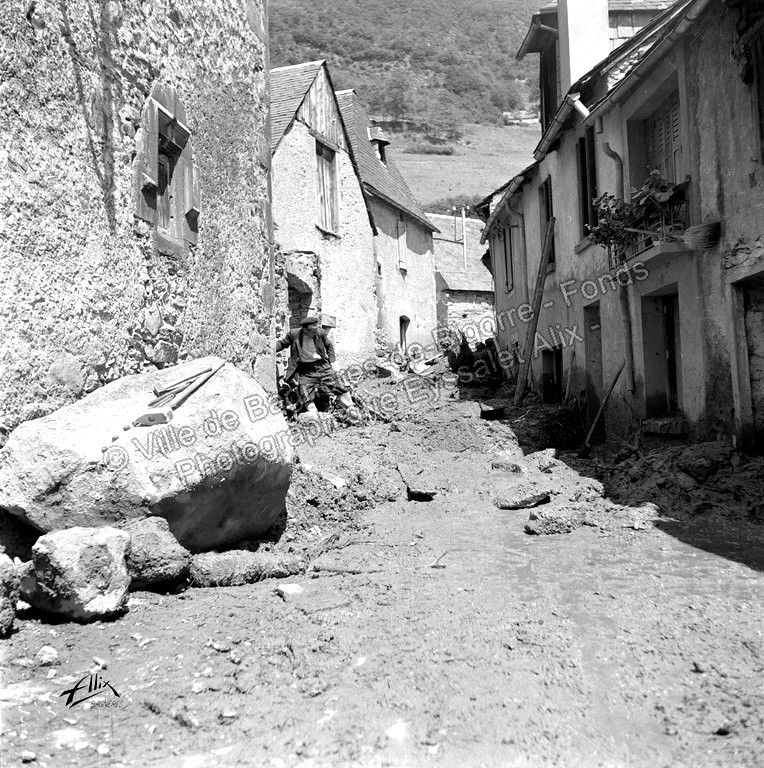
[403, 234]
[679, 301]
[135, 223]
[322, 226]
[464, 287]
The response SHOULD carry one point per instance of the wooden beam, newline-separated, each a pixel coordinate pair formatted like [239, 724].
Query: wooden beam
[538, 294]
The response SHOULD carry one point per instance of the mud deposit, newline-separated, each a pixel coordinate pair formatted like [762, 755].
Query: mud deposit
[423, 633]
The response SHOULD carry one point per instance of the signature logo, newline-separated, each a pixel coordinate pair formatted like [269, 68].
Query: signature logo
[89, 686]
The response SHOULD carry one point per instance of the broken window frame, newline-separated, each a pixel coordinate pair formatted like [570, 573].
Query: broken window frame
[167, 183]
[546, 212]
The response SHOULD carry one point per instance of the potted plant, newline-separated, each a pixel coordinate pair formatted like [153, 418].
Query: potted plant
[652, 214]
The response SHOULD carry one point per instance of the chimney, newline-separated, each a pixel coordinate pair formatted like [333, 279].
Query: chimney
[584, 37]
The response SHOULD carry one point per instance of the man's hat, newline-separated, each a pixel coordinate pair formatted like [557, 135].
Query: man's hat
[309, 320]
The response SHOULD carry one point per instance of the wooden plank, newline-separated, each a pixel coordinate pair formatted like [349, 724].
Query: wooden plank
[538, 294]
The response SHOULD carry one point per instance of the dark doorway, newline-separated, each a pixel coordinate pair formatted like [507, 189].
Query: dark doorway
[662, 354]
[403, 325]
[753, 307]
[551, 375]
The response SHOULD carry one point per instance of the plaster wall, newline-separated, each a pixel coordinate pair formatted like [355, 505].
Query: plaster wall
[346, 259]
[409, 292]
[90, 295]
[728, 187]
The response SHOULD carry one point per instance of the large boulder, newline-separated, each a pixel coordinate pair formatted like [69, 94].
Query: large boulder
[155, 557]
[9, 594]
[79, 573]
[218, 471]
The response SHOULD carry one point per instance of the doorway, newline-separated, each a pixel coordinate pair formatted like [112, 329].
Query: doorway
[403, 326]
[661, 341]
[551, 375]
[753, 313]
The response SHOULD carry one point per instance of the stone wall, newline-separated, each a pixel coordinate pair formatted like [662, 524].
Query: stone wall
[91, 291]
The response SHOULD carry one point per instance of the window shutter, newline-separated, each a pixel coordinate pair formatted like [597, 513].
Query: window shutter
[665, 140]
[147, 160]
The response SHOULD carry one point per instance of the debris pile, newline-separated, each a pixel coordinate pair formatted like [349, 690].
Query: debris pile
[687, 481]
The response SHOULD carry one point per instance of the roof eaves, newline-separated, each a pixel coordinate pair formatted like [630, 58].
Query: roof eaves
[382, 196]
[514, 185]
[533, 40]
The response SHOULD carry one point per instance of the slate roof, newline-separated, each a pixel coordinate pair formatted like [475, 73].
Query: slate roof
[289, 85]
[383, 180]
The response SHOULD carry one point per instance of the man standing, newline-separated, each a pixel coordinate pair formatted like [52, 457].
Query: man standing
[311, 354]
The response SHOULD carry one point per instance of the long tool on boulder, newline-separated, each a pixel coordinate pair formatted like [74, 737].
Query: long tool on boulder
[161, 409]
[587, 449]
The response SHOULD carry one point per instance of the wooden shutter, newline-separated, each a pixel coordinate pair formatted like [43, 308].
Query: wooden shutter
[146, 164]
[664, 139]
[327, 202]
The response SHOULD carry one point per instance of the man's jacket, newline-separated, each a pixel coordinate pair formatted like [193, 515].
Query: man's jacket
[293, 340]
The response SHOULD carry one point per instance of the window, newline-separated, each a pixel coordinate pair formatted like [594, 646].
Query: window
[547, 211]
[509, 267]
[664, 145]
[168, 184]
[401, 242]
[587, 181]
[326, 164]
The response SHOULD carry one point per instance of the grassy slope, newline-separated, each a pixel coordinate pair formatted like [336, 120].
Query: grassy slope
[494, 154]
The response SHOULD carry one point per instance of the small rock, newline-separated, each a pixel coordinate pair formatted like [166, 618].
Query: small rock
[198, 686]
[228, 716]
[507, 465]
[28, 757]
[418, 484]
[556, 518]
[155, 556]
[698, 667]
[521, 495]
[103, 749]
[685, 482]
[47, 656]
[79, 572]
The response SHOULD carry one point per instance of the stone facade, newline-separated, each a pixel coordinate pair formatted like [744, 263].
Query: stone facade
[107, 270]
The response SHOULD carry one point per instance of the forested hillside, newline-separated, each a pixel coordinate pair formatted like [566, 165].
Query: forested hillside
[442, 62]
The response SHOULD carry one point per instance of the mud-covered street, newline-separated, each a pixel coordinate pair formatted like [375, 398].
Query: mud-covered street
[424, 632]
